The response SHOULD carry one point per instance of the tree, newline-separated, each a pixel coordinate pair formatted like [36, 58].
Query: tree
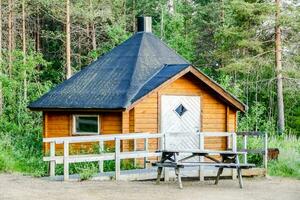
[24, 47]
[10, 36]
[1, 92]
[68, 41]
[278, 64]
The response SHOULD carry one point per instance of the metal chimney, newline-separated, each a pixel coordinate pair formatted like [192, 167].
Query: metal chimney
[144, 24]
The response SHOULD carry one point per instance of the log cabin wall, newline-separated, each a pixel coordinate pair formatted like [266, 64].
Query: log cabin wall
[216, 116]
[60, 124]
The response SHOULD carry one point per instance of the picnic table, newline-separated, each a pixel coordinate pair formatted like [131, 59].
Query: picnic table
[229, 159]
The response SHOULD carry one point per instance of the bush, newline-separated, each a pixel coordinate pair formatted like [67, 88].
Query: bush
[87, 170]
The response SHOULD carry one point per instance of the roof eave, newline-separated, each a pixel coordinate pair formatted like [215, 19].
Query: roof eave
[39, 109]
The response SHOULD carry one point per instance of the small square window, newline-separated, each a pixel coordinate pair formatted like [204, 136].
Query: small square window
[180, 110]
[86, 124]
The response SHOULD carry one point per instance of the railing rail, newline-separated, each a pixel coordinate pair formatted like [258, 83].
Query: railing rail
[118, 155]
[263, 151]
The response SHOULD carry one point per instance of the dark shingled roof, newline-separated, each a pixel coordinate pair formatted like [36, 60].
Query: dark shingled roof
[118, 78]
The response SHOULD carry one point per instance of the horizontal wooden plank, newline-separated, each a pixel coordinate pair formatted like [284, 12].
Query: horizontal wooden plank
[146, 121]
[213, 111]
[146, 111]
[213, 116]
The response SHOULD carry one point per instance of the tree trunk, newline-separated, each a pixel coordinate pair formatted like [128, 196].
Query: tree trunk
[24, 48]
[94, 42]
[68, 41]
[162, 23]
[278, 63]
[170, 4]
[94, 37]
[1, 92]
[10, 38]
[37, 31]
[133, 16]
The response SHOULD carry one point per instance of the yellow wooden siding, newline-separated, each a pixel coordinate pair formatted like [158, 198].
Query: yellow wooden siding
[59, 124]
[213, 117]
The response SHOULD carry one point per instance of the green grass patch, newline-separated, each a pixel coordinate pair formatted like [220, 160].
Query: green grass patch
[288, 163]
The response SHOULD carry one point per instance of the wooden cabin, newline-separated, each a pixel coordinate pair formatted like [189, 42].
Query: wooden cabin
[141, 85]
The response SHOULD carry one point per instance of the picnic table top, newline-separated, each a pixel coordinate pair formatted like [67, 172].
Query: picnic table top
[197, 151]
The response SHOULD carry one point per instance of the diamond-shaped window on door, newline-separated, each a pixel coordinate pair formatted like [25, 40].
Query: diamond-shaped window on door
[180, 110]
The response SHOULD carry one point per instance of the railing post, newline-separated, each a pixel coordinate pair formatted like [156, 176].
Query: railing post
[134, 149]
[234, 144]
[234, 149]
[265, 157]
[101, 149]
[52, 162]
[117, 159]
[166, 169]
[245, 148]
[146, 147]
[66, 160]
[201, 147]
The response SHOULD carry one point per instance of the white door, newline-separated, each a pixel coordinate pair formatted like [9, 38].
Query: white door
[180, 120]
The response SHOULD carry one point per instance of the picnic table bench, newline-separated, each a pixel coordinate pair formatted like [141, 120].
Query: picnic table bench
[169, 159]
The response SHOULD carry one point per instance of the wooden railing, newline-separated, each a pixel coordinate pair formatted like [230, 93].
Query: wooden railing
[117, 155]
[246, 150]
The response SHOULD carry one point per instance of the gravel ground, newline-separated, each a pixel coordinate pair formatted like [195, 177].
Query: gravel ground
[15, 187]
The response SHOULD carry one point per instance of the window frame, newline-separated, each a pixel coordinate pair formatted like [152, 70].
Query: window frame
[74, 132]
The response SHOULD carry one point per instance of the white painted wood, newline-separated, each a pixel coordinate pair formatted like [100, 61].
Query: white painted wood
[201, 147]
[52, 163]
[66, 160]
[80, 139]
[217, 134]
[134, 149]
[146, 150]
[172, 122]
[101, 151]
[265, 155]
[103, 157]
[234, 144]
[117, 159]
[234, 149]
[245, 147]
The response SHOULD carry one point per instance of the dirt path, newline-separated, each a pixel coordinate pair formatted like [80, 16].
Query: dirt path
[15, 187]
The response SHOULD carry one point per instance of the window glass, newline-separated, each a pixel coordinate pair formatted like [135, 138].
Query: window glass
[86, 124]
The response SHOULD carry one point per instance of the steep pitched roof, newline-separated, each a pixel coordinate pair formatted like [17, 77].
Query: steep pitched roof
[114, 80]
[118, 79]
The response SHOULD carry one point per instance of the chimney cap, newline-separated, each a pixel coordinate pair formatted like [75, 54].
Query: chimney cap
[144, 24]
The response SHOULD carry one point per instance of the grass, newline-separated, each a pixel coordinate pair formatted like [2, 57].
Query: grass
[288, 163]
[23, 153]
